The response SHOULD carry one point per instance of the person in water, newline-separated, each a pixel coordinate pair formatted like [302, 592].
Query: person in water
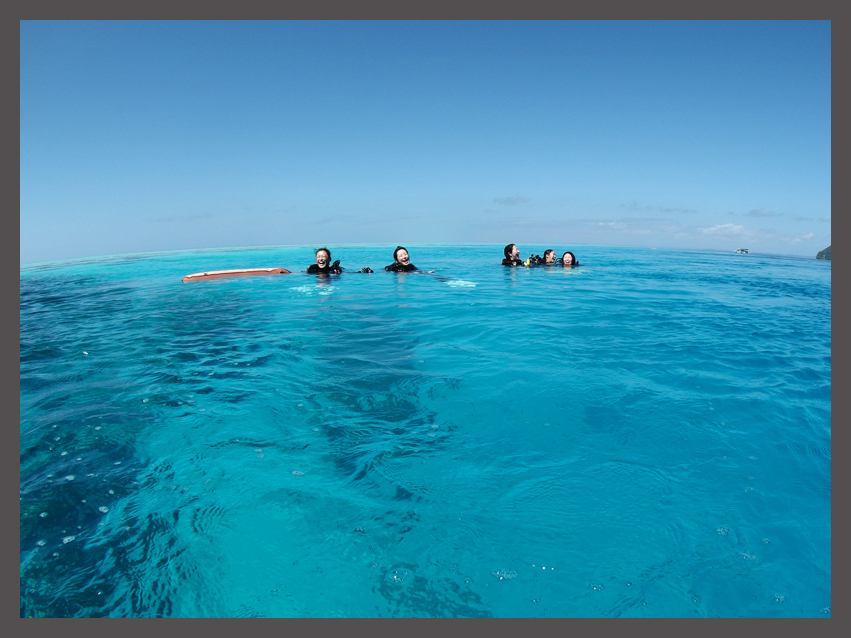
[401, 261]
[568, 259]
[512, 256]
[323, 257]
[548, 259]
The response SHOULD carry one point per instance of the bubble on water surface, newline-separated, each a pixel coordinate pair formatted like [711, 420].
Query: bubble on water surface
[723, 531]
[64, 454]
[398, 575]
[461, 283]
[68, 539]
[314, 290]
[103, 508]
[779, 599]
[297, 473]
[505, 574]
[43, 515]
[41, 543]
[70, 477]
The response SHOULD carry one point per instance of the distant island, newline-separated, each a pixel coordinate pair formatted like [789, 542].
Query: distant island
[824, 254]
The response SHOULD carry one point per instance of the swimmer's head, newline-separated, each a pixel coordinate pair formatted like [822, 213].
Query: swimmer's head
[549, 256]
[400, 255]
[323, 256]
[511, 251]
[568, 259]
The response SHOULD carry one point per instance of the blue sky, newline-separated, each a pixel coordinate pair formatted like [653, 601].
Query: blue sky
[149, 136]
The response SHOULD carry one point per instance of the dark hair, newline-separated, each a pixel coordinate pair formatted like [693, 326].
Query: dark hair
[316, 252]
[398, 248]
[548, 251]
[567, 252]
[507, 250]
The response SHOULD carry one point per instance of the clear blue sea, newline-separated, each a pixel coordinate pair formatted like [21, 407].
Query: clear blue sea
[646, 435]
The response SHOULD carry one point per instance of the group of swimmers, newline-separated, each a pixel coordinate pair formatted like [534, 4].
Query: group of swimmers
[402, 261]
[512, 258]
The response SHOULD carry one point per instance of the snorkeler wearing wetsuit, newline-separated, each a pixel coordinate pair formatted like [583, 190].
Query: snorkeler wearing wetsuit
[401, 261]
[323, 256]
[512, 256]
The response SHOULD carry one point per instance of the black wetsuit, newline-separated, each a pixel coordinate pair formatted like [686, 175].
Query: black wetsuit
[514, 263]
[314, 269]
[397, 267]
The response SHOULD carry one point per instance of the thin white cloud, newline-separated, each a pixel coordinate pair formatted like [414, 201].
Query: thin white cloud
[181, 218]
[733, 230]
[512, 201]
[759, 212]
[802, 237]
[677, 210]
[658, 209]
[635, 226]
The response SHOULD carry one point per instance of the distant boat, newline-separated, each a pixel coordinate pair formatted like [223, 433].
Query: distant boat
[742, 250]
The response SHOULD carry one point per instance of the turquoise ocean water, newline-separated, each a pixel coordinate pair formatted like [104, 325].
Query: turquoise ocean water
[647, 435]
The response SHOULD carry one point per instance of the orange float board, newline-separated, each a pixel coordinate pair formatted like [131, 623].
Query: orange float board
[239, 272]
